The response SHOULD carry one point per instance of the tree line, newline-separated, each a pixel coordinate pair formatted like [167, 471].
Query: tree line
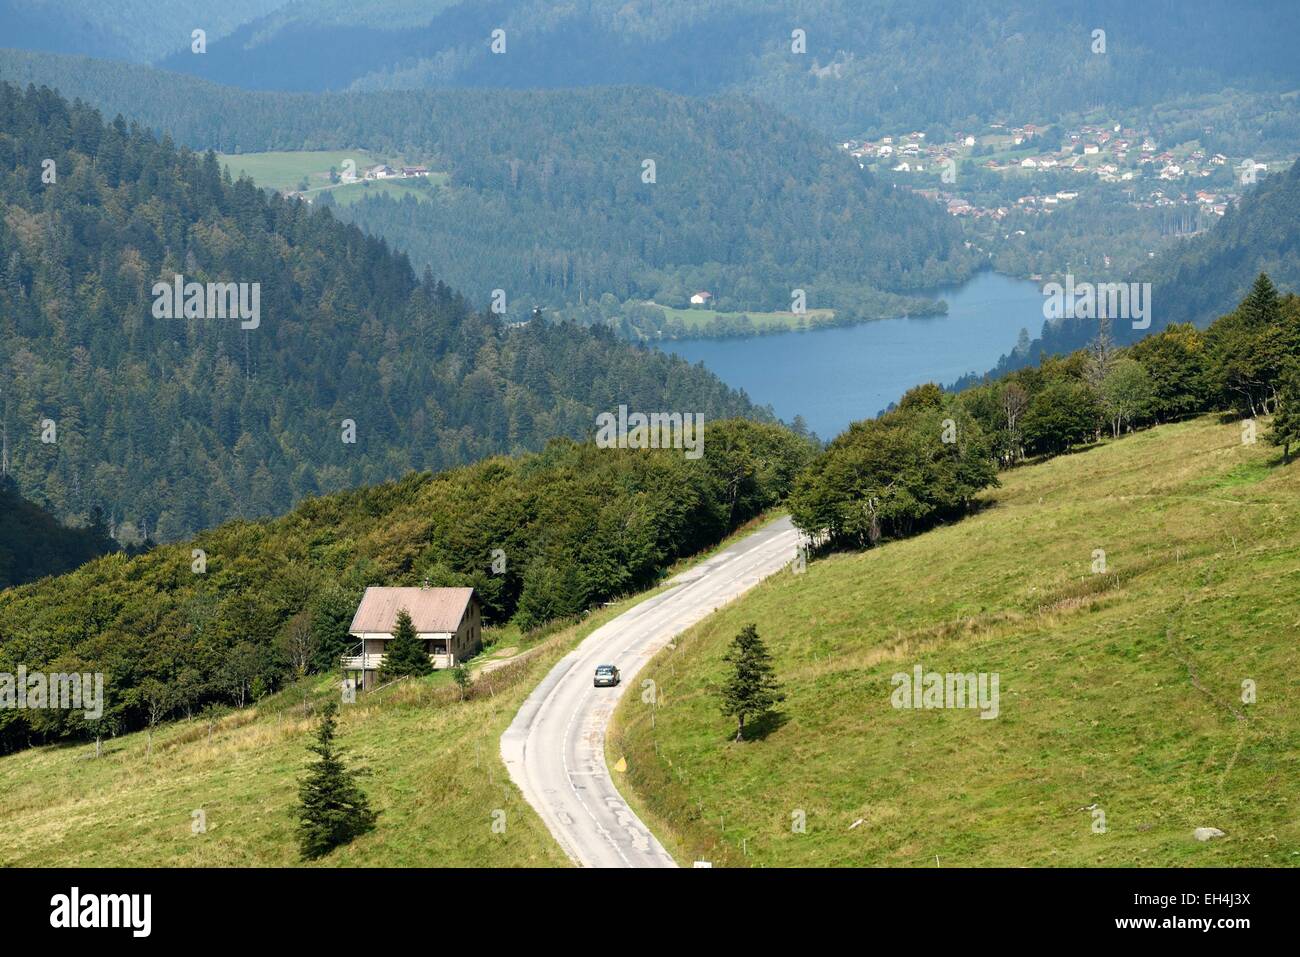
[925, 461]
[238, 611]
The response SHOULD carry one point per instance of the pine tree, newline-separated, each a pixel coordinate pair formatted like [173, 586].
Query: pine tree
[752, 689]
[405, 654]
[1285, 430]
[333, 809]
[1262, 306]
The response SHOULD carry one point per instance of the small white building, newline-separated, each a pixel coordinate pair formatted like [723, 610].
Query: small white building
[701, 298]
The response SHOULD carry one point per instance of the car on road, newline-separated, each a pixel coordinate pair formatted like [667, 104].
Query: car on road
[607, 676]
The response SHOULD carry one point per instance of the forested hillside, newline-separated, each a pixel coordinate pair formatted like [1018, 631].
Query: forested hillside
[34, 544]
[357, 372]
[868, 63]
[140, 30]
[551, 198]
[1202, 277]
[541, 537]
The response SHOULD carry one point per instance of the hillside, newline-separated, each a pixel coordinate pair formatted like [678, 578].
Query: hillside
[880, 61]
[34, 544]
[205, 622]
[435, 776]
[1119, 691]
[140, 30]
[353, 371]
[550, 196]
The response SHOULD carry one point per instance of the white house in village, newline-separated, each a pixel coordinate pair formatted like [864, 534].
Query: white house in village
[448, 621]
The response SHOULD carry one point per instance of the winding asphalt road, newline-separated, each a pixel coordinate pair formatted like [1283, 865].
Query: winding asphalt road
[555, 747]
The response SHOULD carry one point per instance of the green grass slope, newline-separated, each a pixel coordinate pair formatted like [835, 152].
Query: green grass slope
[434, 774]
[1121, 690]
[433, 760]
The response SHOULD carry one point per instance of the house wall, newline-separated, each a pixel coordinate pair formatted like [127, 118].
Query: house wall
[467, 639]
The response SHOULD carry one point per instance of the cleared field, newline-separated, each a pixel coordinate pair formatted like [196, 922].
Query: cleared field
[287, 170]
[1121, 692]
[309, 171]
[703, 319]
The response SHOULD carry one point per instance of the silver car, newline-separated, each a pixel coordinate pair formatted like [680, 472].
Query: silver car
[607, 676]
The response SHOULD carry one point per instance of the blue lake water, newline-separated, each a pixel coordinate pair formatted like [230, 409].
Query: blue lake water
[835, 376]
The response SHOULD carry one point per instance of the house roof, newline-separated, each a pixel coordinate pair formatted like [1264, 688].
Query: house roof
[439, 610]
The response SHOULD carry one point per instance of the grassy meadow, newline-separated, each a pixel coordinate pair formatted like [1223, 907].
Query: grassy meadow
[1121, 691]
[702, 320]
[435, 774]
[286, 170]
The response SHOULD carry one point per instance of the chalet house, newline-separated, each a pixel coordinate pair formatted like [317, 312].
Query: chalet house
[701, 298]
[415, 171]
[448, 621]
[381, 171]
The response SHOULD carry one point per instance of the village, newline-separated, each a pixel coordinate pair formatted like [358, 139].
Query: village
[1109, 153]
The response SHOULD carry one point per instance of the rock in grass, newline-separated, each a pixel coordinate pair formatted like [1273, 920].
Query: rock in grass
[1207, 833]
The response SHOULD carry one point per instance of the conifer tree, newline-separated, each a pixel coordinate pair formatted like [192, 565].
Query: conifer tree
[405, 654]
[1285, 430]
[332, 807]
[1261, 306]
[752, 689]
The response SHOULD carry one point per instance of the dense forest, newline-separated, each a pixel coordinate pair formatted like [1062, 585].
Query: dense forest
[549, 198]
[34, 544]
[867, 63]
[358, 371]
[1200, 277]
[574, 525]
[139, 30]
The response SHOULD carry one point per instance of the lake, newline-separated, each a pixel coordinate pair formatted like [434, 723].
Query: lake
[835, 376]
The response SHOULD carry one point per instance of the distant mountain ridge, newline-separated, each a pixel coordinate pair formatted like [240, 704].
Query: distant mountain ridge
[854, 66]
[866, 63]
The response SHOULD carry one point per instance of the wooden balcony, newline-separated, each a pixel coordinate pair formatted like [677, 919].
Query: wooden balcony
[375, 662]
